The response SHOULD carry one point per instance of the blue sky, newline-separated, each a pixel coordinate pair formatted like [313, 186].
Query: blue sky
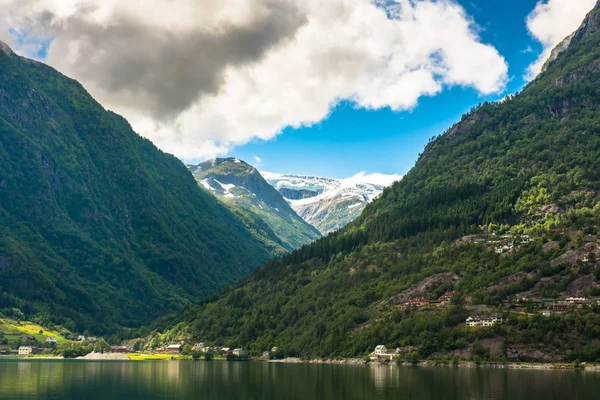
[382, 141]
[186, 78]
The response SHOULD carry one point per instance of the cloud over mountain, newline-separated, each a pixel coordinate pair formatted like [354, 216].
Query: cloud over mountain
[198, 78]
[552, 21]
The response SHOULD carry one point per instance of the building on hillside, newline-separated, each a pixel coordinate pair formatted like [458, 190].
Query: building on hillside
[80, 338]
[575, 300]
[226, 350]
[559, 307]
[174, 348]
[239, 352]
[484, 320]
[27, 338]
[51, 340]
[118, 349]
[92, 339]
[266, 354]
[417, 302]
[380, 350]
[36, 350]
[446, 299]
[25, 350]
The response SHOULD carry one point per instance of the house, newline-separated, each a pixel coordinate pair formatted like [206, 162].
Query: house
[446, 298]
[559, 307]
[27, 338]
[239, 352]
[226, 350]
[51, 340]
[118, 349]
[80, 338]
[266, 354]
[484, 320]
[417, 302]
[174, 348]
[381, 349]
[575, 300]
[25, 350]
[274, 350]
[36, 350]
[92, 339]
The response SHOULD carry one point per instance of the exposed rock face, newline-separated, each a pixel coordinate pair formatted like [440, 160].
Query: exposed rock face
[562, 46]
[571, 257]
[549, 208]
[425, 287]
[550, 246]
[580, 286]
[589, 26]
[297, 194]
[525, 354]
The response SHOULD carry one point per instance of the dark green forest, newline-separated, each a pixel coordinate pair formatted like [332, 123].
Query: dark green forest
[528, 166]
[98, 228]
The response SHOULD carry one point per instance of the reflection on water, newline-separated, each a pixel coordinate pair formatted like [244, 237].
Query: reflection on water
[223, 380]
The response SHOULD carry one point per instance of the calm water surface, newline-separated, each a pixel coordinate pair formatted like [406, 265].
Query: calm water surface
[223, 380]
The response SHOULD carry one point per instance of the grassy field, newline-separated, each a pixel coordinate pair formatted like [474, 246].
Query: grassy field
[14, 330]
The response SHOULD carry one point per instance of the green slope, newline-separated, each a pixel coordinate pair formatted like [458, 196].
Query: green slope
[98, 227]
[528, 167]
[241, 186]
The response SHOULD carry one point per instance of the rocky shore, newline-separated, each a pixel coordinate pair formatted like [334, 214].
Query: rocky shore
[463, 364]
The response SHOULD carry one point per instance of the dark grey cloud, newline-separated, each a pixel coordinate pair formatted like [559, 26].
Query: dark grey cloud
[165, 71]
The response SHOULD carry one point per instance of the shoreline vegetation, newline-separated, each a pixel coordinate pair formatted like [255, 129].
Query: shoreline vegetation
[342, 361]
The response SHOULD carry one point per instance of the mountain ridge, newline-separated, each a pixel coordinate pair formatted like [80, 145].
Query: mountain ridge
[328, 204]
[100, 229]
[241, 186]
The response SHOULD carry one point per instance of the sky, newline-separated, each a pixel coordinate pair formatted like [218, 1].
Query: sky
[330, 88]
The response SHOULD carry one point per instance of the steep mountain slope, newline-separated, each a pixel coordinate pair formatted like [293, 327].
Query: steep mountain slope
[97, 226]
[326, 203]
[240, 185]
[503, 206]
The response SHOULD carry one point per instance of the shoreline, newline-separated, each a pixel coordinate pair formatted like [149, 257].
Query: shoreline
[438, 364]
[353, 361]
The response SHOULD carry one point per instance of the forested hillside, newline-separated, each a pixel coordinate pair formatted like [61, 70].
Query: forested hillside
[501, 209]
[243, 189]
[99, 228]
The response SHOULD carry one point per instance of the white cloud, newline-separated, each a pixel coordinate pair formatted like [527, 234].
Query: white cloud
[375, 178]
[257, 161]
[552, 21]
[199, 78]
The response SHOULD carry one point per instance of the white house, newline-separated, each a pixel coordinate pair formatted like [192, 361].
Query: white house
[51, 340]
[25, 350]
[381, 349]
[484, 321]
[239, 352]
[81, 338]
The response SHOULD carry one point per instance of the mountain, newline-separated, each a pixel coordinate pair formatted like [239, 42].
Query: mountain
[326, 203]
[500, 214]
[98, 227]
[242, 187]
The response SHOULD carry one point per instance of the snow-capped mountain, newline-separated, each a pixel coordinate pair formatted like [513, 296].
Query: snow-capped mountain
[327, 203]
[240, 186]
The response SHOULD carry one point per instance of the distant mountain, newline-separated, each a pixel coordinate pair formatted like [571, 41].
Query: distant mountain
[99, 228]
[242, 187]
[326, 203]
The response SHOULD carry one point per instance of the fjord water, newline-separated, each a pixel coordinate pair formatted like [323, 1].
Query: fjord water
[223, 380]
